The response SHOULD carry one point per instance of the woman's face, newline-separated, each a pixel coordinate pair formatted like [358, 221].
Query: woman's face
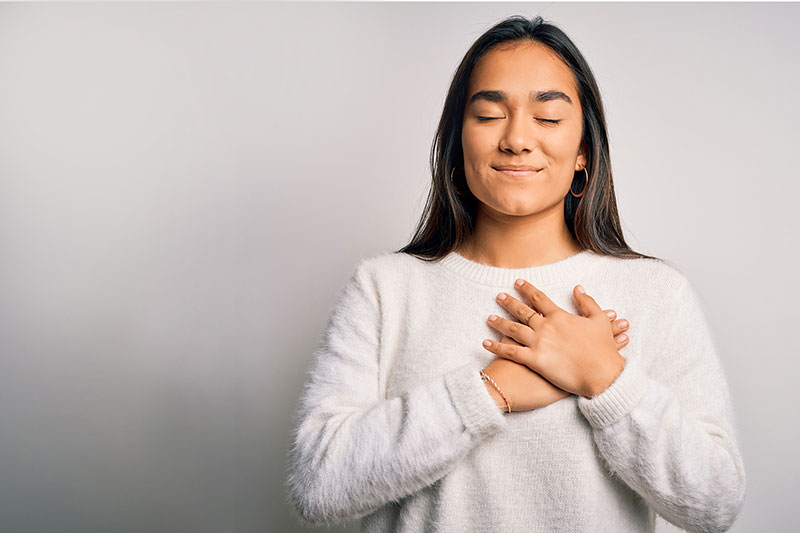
[506, 124]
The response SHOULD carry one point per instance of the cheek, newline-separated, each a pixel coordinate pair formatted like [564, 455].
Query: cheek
[559, 145]
[566, 142]
[471, 143]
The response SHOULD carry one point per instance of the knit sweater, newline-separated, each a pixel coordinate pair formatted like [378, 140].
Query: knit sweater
[396, 427]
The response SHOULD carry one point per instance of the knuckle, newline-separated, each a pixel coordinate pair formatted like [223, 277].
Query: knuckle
[512, 351]
[548, 326]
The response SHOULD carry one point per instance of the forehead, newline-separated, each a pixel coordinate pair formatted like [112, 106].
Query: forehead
[520, 68]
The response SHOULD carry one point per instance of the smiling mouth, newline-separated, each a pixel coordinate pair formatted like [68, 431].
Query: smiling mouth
[517, 173]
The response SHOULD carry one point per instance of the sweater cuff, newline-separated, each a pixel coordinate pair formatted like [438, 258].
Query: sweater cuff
[618, 399]
[479, 413]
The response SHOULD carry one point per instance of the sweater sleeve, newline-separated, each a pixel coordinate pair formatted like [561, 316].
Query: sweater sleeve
[671, 436]
[353, 449]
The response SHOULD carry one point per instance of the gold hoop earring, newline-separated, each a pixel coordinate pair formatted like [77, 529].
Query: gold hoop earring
[584, 187]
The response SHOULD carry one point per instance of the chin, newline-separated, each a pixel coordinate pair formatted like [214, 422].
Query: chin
[517, 211]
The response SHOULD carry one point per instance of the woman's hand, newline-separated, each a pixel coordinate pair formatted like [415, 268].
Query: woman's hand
[577, 354]
[525, 389]
[522, 311]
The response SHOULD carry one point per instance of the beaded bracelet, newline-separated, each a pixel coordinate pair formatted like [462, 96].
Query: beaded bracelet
[487, 377]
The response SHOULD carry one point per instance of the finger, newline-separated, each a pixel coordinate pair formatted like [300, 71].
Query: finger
[518, 309]
[610, 313]
[512, 352]
[508, 340]
[622, 340]
[535, 321]
[586, 304]
[618, 326]
[519, 332]
[538, 300]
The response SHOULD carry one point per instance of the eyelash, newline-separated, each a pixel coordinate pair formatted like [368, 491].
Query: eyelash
[549, 121]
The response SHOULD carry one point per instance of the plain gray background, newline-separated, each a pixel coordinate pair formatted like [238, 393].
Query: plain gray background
[184, 188]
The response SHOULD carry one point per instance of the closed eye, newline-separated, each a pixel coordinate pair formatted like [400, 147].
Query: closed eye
[547, 120]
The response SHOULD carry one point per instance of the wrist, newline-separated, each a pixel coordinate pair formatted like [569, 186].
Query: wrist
[614, 367]
[499, 397]
[498, 400]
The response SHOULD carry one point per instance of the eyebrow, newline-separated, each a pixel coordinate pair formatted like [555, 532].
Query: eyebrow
[534, 96]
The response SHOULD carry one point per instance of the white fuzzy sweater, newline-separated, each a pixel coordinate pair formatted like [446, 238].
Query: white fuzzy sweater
[395, 425]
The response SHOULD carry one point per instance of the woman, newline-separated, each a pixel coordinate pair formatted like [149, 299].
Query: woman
[560, 422]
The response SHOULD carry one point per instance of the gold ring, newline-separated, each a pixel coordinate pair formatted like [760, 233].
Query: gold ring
[526, 320]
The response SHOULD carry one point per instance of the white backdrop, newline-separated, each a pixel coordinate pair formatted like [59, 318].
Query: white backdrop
[184, 187]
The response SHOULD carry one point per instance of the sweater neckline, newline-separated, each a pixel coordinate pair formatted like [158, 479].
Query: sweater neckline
[567, 271]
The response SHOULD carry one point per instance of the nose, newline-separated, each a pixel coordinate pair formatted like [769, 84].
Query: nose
[518, 135]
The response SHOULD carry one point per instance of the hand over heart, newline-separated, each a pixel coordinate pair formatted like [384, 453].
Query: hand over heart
[575, 353]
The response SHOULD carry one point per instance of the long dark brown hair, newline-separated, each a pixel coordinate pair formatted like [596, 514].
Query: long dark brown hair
[450, 210]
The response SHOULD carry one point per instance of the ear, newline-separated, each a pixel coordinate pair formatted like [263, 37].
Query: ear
[580, 162]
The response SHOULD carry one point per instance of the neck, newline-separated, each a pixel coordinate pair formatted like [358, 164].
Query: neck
[518, 242]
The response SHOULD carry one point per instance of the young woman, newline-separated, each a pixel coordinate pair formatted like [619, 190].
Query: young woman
[559, 421]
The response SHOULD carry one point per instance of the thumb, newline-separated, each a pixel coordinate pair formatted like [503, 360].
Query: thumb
[586, 304]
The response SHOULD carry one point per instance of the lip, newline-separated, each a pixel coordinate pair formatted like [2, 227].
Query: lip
[517, 171]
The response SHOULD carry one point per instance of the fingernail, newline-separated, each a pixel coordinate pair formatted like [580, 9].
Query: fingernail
[492, 318]
[501, 296]
[519, 282]
[581, 289]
